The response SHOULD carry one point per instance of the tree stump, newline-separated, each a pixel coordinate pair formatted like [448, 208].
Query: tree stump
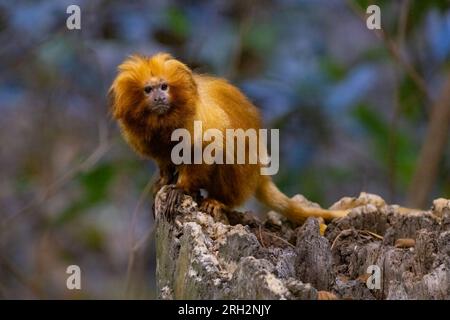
[237, 256]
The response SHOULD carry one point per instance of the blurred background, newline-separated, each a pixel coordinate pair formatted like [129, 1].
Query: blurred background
[358, 110]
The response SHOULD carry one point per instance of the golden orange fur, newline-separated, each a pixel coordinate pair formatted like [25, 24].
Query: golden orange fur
[214, 102]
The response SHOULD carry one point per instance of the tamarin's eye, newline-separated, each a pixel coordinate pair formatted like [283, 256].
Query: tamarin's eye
[147, 89]
[164, 87]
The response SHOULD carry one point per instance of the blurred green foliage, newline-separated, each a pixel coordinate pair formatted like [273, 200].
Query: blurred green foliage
[94, 185]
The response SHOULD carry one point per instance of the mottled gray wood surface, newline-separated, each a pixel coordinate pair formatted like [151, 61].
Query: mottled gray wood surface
[236, 256]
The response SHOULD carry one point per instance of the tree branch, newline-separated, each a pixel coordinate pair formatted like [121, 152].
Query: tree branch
[199, 257]
[432, 150]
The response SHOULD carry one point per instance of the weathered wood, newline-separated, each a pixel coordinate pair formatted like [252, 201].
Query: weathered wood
[199, 257]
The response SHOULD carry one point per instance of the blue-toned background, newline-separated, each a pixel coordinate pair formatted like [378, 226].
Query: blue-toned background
[352, 108]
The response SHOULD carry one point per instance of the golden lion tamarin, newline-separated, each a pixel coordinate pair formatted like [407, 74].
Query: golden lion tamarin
[153, 96]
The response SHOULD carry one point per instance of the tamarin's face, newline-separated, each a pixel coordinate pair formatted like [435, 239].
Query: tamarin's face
[157, 95]
[152, 86]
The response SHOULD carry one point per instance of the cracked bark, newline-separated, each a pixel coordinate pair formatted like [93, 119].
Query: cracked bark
[201, 257]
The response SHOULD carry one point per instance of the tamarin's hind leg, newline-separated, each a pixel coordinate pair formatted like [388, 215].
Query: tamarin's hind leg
[228, 186]
[232, 185]
[190, 179]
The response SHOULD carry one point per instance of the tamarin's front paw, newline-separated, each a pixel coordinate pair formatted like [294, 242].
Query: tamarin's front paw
[173, 201]
[215, 209]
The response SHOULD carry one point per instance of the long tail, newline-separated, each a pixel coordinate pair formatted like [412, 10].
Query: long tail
[268, 193]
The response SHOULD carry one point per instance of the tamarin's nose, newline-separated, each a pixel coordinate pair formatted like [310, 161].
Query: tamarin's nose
[159, 99]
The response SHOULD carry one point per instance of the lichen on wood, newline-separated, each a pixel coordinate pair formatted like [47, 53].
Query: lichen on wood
[241, 257]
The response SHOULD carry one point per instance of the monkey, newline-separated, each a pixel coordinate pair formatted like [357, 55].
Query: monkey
[151, 96]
